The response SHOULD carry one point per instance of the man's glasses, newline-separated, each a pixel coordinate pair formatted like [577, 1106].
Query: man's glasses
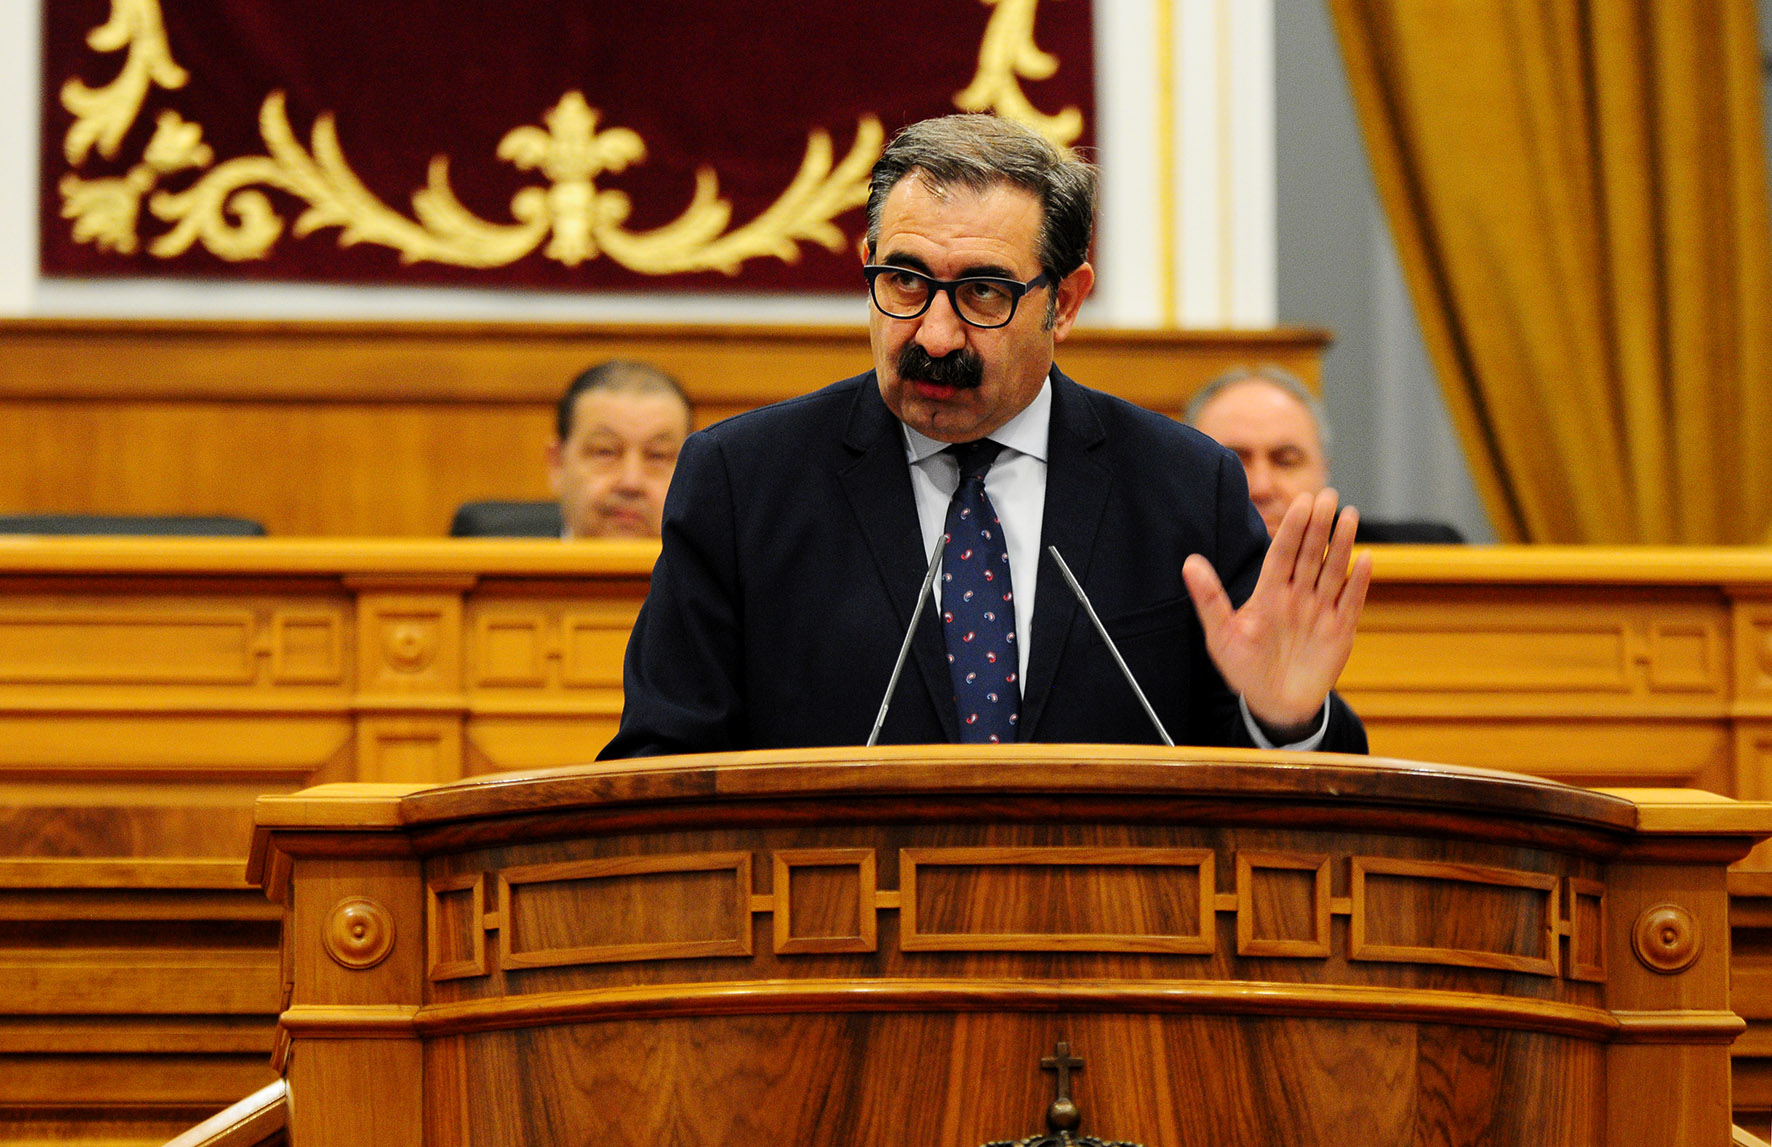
[981, 300]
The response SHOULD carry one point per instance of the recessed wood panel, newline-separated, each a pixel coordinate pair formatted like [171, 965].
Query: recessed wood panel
[625, 908]
[1491, 654]
[594, 645]
[1426, 912]
[307, 647]
[124, 646]
[1057, 899]
[1282, 904]
[1586, 913]
[509, 649]
[1685, 657]
[824, 900]
[455, 927]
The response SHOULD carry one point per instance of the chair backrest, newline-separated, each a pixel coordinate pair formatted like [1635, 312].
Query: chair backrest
[1377, 531]
[138, 525]
[507, 520]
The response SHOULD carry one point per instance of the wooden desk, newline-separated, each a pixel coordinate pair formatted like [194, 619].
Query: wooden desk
[1621, 666]
[150, 690]
[877, 947]
[160, 685]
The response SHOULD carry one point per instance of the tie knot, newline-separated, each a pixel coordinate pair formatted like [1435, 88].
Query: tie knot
[975, 457]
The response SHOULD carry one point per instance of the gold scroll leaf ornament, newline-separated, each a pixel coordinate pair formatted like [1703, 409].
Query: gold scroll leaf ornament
[230, 217]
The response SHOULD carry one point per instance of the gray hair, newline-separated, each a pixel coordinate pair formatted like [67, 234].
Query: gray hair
[983, 151]
[1274, 376]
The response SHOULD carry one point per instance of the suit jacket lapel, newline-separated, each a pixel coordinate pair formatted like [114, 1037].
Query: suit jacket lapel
[1077, 491]
[878, 485]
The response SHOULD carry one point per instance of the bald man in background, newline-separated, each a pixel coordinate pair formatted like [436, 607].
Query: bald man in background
[1276, 426]
[1280, 431]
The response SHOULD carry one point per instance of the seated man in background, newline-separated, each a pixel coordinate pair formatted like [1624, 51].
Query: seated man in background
[1267, 418]
[1280, 431]
[618, 429]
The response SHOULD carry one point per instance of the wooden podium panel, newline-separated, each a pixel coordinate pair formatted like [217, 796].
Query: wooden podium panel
[879, 947]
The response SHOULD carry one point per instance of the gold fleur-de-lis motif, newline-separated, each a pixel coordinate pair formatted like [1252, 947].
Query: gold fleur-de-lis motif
[571, 153]
[176, 145]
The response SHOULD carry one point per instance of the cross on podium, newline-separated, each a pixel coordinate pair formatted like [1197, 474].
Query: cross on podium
[1063, 1116]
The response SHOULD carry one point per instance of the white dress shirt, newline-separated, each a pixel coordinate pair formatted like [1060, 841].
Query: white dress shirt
[1016, 486]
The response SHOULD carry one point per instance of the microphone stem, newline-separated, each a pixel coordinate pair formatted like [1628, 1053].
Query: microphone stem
[1083, 598]
[904, 649]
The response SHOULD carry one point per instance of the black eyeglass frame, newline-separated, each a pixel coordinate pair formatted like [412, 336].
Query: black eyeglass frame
[1015, 288]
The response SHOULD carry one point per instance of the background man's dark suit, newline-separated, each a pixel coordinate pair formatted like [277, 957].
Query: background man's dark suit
[792, 557]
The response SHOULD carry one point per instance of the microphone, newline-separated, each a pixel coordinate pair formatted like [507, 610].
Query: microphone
[1083, 598]
[904, 649]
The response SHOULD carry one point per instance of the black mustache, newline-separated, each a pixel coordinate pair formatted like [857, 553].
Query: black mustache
[963, 369]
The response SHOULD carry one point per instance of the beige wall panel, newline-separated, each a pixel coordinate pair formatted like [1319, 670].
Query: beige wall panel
[539, 742]
[1548, 652]
[1672, 754]
[384, 428]
[223, 745]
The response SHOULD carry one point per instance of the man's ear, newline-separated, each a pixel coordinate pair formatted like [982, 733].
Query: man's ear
[1071, 293]
[867, 252]
[556, 466]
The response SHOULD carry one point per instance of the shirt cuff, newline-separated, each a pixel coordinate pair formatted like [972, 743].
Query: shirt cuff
[1309, 744]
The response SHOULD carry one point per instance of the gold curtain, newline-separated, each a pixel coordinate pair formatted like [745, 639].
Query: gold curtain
[1578, 191]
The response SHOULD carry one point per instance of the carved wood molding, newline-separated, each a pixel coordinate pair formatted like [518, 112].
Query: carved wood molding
[1157, 901]
[780, 997]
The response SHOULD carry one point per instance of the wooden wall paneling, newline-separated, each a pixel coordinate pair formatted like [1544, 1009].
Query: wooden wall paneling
[1750, 995]
[1592, 666]
[336, 428]
[543, 668]
[136, 996]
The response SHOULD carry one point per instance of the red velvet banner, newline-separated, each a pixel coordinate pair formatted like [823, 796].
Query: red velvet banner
[697, 145]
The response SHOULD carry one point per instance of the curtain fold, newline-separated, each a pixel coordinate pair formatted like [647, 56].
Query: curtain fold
[1578, 192]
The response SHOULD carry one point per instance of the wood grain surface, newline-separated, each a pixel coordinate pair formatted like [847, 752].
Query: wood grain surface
[366, 428]
[1450, 1008]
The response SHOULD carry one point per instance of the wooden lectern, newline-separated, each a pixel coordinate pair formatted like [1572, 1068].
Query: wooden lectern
[951, 946]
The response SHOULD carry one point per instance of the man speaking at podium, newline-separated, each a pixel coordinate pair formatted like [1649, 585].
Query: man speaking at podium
[796, 536]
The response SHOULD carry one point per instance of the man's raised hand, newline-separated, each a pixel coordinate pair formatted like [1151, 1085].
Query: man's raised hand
[1283, 650]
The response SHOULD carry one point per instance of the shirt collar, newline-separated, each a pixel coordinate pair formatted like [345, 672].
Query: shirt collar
[1026, 433]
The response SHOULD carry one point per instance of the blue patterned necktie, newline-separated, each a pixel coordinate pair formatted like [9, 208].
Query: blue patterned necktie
[978, 606]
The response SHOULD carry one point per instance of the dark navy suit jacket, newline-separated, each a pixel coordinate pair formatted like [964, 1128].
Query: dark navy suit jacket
[792, 557]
